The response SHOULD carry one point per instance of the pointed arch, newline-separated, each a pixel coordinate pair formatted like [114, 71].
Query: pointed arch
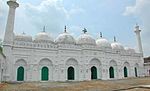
[125, 71]
[136, 68]
[70, 73]
[45, 73]
[93, 72]
[111, 72]
[20, 73]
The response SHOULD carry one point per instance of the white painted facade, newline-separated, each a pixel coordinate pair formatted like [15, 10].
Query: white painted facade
[2, 67]
[65, 51]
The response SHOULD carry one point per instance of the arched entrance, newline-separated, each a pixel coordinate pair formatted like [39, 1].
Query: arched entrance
[135, 72]
[93, 72]
[111, 72]
[44, 74]
[125, 72]
[70, 73]
[20, 74]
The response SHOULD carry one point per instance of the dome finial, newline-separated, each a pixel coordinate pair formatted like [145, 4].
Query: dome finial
[84, 30]
[101, 34]
[114, 39]
[136, 26]
[44, 29]
[65, 29]
[23, 33]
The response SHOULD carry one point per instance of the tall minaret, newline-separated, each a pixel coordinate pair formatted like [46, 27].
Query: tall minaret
[137, 32]
[8, 38]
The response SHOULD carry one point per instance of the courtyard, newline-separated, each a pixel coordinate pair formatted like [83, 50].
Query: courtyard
[129, 84]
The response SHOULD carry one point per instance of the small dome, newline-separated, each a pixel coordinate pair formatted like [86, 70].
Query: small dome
[86, 39]
[23, 37]
[101, 42]
[43, 37]
[117, 46]
[65, 38]
[130, 49]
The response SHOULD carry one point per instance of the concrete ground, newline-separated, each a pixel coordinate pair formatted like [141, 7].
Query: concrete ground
[129, 84]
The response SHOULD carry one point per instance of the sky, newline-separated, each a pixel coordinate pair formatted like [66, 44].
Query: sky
[111, 17]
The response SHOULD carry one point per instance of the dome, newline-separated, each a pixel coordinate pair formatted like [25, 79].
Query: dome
[43, 37]
[117, 46]
[101, 42]
[23, 37]
[86, 39]
[65, 38]
[130, 49]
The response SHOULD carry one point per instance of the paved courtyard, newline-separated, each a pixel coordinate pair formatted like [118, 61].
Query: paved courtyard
[130, 84]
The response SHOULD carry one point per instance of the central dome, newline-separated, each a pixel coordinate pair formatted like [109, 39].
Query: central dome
[43, 37]
[86, 39]
[65, 38]
[101, 42]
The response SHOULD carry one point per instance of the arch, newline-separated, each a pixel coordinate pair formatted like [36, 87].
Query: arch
[113, 63]
[20, 74]
[45, 61]
[70, 73]
[111, 72]
[93, 72]
[125, 71]
[21, 62]
[126, 64]
[71, 61]
[135, 69]
[95, 61]
[44, 74]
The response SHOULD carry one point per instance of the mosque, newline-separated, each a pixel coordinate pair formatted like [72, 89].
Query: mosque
[43, 58]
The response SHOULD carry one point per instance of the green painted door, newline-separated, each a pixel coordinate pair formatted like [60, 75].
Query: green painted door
[93, 72]
[70, 73]
[111, 72]
[135, 71]
[20, 74]
[44, 74]
[125, 72]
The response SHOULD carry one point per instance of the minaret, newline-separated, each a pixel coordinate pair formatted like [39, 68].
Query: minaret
[8, 38]
[137, 32]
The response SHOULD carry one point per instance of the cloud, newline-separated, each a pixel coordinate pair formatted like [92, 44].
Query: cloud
[141, 10]
[31, 18]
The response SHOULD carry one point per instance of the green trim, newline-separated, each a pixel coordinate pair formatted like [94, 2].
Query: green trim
[44, 74]
[111, 72]
[70, 73]
[20, 74]
[125, 72]
[135, 72]
[93, 72]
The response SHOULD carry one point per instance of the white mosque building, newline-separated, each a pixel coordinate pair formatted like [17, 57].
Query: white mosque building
[43, 58]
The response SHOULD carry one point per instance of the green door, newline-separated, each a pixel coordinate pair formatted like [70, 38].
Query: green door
[70, 73]
[111, 72]
[20, 74]
[93, 72]
[44, 74]
[135, 71]
[125, 72]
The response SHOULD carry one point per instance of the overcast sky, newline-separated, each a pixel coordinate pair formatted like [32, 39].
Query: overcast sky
[111, 17]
